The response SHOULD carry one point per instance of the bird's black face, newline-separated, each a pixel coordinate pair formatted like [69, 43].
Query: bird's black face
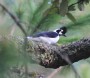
[62, 31]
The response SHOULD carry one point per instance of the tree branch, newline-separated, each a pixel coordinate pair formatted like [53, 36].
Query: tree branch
[79, 1]
[54, 56]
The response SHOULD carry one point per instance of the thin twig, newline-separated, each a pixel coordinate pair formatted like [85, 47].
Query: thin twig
[74, 4]
[12, 30]
[54, 72]
[14, 18]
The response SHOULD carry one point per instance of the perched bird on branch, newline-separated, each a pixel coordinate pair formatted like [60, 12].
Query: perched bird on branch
[51, 37]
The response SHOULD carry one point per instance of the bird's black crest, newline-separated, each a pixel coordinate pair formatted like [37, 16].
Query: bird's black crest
[64, 29]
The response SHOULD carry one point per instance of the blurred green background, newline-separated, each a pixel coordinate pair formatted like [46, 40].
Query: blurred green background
[29, 16]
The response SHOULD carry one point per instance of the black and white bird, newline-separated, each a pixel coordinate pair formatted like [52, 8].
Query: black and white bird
[51, 37]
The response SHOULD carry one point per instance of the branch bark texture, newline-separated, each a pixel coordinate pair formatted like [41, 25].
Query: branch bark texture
[52, 56]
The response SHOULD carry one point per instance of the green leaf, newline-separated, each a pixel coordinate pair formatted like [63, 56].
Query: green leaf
[71, 17]
[71, 8]
[63, 7]
[87, 1]
[81, 6]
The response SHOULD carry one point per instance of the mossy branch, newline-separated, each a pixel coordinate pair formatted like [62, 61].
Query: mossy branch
[54, 56]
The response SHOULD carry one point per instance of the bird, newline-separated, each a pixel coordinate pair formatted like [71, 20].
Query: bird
[50, 37]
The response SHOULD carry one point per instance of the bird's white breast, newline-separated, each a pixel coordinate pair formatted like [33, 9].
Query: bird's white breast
[45, 39]
[50, 40]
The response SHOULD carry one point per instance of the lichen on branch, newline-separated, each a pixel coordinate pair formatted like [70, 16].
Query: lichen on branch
[52, 56]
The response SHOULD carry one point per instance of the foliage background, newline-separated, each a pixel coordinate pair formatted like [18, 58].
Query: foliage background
[30, 17]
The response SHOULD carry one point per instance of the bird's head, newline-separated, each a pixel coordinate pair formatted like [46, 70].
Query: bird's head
[62, 31]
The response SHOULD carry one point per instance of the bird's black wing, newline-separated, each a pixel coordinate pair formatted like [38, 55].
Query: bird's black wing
[50, 34]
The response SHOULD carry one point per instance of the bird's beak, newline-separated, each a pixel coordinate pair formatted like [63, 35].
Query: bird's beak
[62, 35]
